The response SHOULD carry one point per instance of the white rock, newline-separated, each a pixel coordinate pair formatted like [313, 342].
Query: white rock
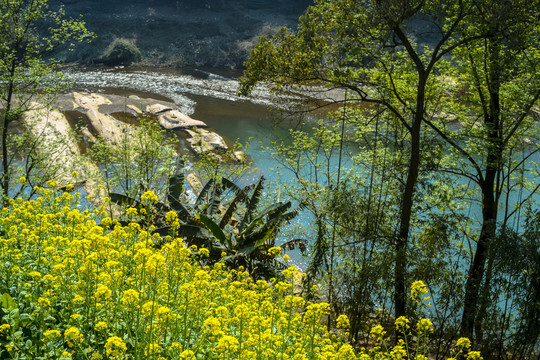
[174, 119]
[157, 108]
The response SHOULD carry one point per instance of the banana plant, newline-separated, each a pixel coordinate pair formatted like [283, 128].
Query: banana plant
[246, 234]
[229, 224]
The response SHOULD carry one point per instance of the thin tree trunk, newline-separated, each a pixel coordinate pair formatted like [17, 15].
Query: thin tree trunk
[5, 148]
[400, 298]
[489, 201]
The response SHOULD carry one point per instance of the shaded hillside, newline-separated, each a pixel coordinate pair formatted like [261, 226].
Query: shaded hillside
[214, 33]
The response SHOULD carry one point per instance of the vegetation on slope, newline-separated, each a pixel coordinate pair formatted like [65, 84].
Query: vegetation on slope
[76, 285]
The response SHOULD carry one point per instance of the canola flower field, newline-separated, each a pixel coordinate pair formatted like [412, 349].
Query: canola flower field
[75, 285]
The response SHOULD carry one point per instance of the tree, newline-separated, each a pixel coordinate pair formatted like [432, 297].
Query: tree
[28, 32]
[498, 78]
[369, 49]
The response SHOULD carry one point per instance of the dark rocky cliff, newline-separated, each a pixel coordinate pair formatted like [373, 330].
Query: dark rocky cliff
[213, 33]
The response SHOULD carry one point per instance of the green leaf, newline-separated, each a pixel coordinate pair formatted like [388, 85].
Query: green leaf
[215, 230]
[7, 302]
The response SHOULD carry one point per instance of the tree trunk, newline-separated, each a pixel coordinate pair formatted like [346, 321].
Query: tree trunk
[488, 185]
[400, 271]
[5, 123]
[476, 272]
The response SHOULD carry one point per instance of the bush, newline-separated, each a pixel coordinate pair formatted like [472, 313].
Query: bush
[121, 51]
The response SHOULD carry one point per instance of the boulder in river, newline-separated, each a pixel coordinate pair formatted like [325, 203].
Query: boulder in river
[174, 119]
[106, 126]
[203, 140]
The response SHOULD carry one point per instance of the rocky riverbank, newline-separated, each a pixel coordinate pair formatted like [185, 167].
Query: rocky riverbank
[108, 117]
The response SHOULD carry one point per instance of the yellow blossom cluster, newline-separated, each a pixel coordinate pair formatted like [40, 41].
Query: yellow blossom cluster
[87, 287]
[79, 285]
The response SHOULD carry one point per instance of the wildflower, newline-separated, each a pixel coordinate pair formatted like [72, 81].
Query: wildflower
[96, 356]
[399, 353]
[67, 354]
[22, 180]
[227, 344]
[346, 352]
[69, 187]
[74, 173]
[170, 217]
[115, 347]
[106, 221]
[155, 263]
[342, 322]
[131, 211]
[274, 251]
[474, 355]
[51, 335]
[130, 297]
[43, 302]
[212, 326]
[421, 357]
[73, 336]
[4, 329]
[377, 332]
[11, 347]
[102, 292]
[187, 355]
[417, 288]
[152, 350]
[424, 326]
[402, 323]
[149, 197]
[463, 343]
[101, 326]
[204, 252]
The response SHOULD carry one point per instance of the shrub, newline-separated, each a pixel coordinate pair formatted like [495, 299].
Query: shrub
[121, 51]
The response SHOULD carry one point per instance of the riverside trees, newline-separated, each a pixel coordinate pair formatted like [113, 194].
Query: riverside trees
[28, 31]
[368, 48]
[371, 50]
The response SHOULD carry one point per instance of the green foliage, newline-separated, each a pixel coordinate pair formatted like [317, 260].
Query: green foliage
[462, 104]
[121, 51]
[231, 227]
[143, 160]
[28, 31]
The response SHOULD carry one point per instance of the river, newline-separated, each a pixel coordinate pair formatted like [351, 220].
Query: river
[213, 98]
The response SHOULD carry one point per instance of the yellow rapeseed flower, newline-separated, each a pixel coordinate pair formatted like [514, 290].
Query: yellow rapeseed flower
[274, 251]
[4, 329]
[130, 297]
[424, 326]
[417, 289]
[149, 197]
[115, 347]
[187, 355]
[402, 323]
[73, 336]
[342, 322]
[463, 343]
[377, 332]
[474, 355]
[228, 344]
[101, 326]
